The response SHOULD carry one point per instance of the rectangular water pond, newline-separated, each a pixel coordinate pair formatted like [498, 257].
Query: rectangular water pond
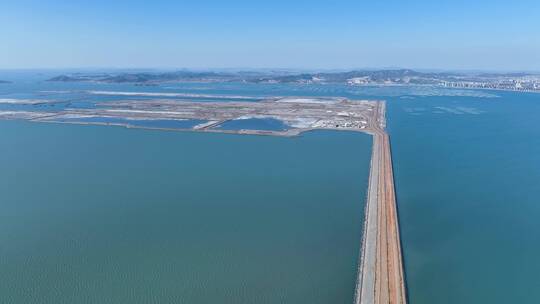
[264, 124]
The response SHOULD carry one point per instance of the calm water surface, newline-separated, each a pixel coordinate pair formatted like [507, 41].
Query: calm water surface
[267, 124]
[467, 174]
[93, 214]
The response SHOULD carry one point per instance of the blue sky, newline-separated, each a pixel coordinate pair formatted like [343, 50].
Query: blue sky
[316, 34]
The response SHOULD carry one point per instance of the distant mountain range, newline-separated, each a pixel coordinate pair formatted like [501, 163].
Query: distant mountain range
[149, 77]
[513, 81]
[281, 77]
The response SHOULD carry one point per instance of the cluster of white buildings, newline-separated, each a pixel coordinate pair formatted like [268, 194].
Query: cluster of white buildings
[507, 84]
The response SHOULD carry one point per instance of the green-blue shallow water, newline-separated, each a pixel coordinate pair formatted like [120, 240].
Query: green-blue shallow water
[92, 214]
[467, 173]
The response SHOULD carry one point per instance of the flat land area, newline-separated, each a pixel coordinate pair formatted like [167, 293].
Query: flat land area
[300, 114]
[381, 278]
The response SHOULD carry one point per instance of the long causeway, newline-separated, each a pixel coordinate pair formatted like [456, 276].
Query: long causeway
[381, 278]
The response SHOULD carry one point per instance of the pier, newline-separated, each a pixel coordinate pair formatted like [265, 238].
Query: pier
[380, 276]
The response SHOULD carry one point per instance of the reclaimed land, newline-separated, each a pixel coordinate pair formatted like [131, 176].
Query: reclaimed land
[380, 271]
[381, 276]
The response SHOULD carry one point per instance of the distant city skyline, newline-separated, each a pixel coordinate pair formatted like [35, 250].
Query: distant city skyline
[206, 34]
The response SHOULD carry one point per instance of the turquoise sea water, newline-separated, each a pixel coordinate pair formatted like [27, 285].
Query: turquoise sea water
[467, 174]
[269, 124]
[97, 214]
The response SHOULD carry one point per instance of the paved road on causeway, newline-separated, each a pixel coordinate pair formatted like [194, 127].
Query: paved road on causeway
[381, 279]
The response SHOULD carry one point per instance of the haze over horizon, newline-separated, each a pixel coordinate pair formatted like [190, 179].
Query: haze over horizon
[449, 35]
